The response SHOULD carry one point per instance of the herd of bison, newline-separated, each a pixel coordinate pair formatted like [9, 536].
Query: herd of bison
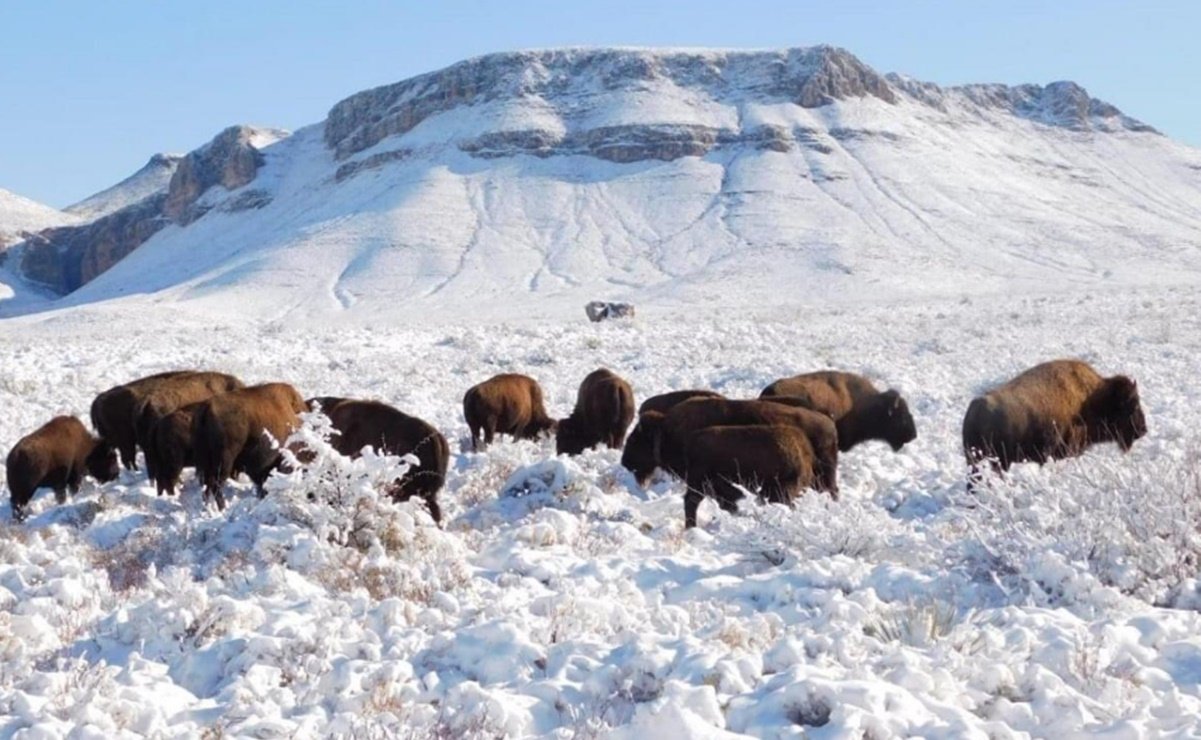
[786, 441]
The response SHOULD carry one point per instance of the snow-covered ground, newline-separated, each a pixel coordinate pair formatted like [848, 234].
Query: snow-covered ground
[19, 214]
[560, 600]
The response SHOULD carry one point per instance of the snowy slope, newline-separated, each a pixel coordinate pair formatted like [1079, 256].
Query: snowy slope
[19, 214]
[152, 178]
[524, 184]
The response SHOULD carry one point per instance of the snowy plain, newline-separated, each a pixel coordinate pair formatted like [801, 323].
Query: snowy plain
[562, 601]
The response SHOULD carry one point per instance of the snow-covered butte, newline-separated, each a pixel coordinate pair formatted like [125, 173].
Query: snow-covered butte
[532, 181]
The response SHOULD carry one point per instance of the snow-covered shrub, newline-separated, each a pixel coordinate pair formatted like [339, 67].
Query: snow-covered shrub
[387, 548]
[1136, 526]
[816, 527]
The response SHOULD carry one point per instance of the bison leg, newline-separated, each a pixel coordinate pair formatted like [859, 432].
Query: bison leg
[777, 491]
[129, 455]
[692, 502]
[435, 511]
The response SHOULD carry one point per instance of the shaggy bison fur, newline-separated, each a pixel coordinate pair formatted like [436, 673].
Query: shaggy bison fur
[373, 424]
[171, 448]
[1051, 411]
[57, 455]
[659, 440]
[663, 402]
[505, 404]
[113, 413]
[229, 433]
[169, 395]
[776, 461]
[860, 411]
[603, 411]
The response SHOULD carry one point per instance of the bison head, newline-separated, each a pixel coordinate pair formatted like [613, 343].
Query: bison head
[1124, 412]
[640, 454]
[571, 437]
[102, 462]
[897, 422]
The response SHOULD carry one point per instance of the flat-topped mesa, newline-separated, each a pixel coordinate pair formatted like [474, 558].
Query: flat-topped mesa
[573, 83]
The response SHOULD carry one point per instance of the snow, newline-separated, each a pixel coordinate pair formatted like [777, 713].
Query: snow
[152, 178]
[560, 600]
[18, 214]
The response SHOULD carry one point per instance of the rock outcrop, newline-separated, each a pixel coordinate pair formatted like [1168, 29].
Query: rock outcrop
[229, 160]
[573, 83]
[67, 257]
[558, 103]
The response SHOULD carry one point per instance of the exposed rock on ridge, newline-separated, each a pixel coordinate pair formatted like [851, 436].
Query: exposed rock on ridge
[568, 79]
[229, 160]
[566, 91]
[68, 257]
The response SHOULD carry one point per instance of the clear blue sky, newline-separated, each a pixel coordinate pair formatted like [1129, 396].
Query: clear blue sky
[91, 89]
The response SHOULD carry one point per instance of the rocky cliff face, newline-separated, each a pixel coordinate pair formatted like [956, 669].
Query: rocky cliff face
[560, 102]
[230, 160]
[571, 88]
[68, 257]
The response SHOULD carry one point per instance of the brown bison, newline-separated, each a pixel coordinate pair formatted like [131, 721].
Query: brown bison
[659, 440]
[604, 408]
[57, 455]
[663, 402]
[373, 424]
[860, 411]
[229, 433]
[171, 449]
[1052, 411]
[113, 413]
[505, 404]
[777, 461]
[169, 395]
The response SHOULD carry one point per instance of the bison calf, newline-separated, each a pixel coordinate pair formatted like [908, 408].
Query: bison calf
[57, 455]
[860, 411]
[230, 431]
[603, 411]
[505, 404]
[1052, 411]
[777, 461]
[373, 424]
